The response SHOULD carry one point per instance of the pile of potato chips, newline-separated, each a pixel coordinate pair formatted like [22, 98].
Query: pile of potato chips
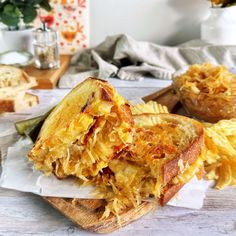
[220, 163]
[207, 78]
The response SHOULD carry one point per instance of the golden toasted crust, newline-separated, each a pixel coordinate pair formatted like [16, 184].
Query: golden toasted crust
[169, 193]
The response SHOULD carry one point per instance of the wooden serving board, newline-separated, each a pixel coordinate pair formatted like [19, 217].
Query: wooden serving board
[166, 97]
[86, 213]
[47, 79]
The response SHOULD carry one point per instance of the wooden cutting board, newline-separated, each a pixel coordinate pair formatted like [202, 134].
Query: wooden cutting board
[86, 213]
[47, 79]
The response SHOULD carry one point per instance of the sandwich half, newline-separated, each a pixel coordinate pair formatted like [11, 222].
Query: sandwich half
[164, 155]
[84, 132]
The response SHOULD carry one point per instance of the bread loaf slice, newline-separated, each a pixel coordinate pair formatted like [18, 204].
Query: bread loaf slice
[14, 80]
[20, 102]
[13, 85]
[11, 76]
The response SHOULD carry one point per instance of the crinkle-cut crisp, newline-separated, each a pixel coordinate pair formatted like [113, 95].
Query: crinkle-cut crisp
[150, 107]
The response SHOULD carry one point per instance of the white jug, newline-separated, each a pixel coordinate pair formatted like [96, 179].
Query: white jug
[220, 27]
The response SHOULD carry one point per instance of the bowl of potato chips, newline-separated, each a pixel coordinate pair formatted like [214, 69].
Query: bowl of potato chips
[207, 92]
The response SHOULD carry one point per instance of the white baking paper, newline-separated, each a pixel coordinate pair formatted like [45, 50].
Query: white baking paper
[18, 173]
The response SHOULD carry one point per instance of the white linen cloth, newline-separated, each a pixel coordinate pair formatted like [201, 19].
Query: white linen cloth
[123, 57]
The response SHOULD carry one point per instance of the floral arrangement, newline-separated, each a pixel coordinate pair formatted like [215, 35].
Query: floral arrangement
[223, 3]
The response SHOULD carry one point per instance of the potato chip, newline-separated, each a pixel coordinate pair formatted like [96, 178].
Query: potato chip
[149, 107]
[220, 164]
[211, 157]
[212, 174]
[210, 144]
[223, 144]
[226, 127]
[225, 174]
[232, 140]
[232, 163]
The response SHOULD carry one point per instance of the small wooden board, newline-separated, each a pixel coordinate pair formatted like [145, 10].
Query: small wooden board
[47, 79]
[86, 213]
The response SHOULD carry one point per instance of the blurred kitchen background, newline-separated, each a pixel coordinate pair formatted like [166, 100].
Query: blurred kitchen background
[86, 23]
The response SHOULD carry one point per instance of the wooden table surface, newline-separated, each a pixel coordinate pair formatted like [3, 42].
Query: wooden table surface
[27, 214]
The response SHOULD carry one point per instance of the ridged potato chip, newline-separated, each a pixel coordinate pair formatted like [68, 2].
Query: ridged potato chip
[225, 174]
[149, 107]
[220, 161]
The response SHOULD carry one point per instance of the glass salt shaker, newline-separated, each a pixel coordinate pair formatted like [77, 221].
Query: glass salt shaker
[46, 52]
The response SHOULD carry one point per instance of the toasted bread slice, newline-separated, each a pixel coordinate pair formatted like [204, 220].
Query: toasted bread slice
[83, 133]
[19, 102]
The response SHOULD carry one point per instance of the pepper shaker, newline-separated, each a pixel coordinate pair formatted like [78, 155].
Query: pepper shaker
[46, 52]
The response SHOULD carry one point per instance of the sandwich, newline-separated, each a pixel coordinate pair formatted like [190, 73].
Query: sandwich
[93, 136]
[14, 83]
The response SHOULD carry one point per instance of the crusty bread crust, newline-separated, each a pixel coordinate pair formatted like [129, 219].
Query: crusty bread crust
[7, 105]
[169, 193]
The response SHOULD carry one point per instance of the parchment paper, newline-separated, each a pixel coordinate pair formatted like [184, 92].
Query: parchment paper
[18, 174]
